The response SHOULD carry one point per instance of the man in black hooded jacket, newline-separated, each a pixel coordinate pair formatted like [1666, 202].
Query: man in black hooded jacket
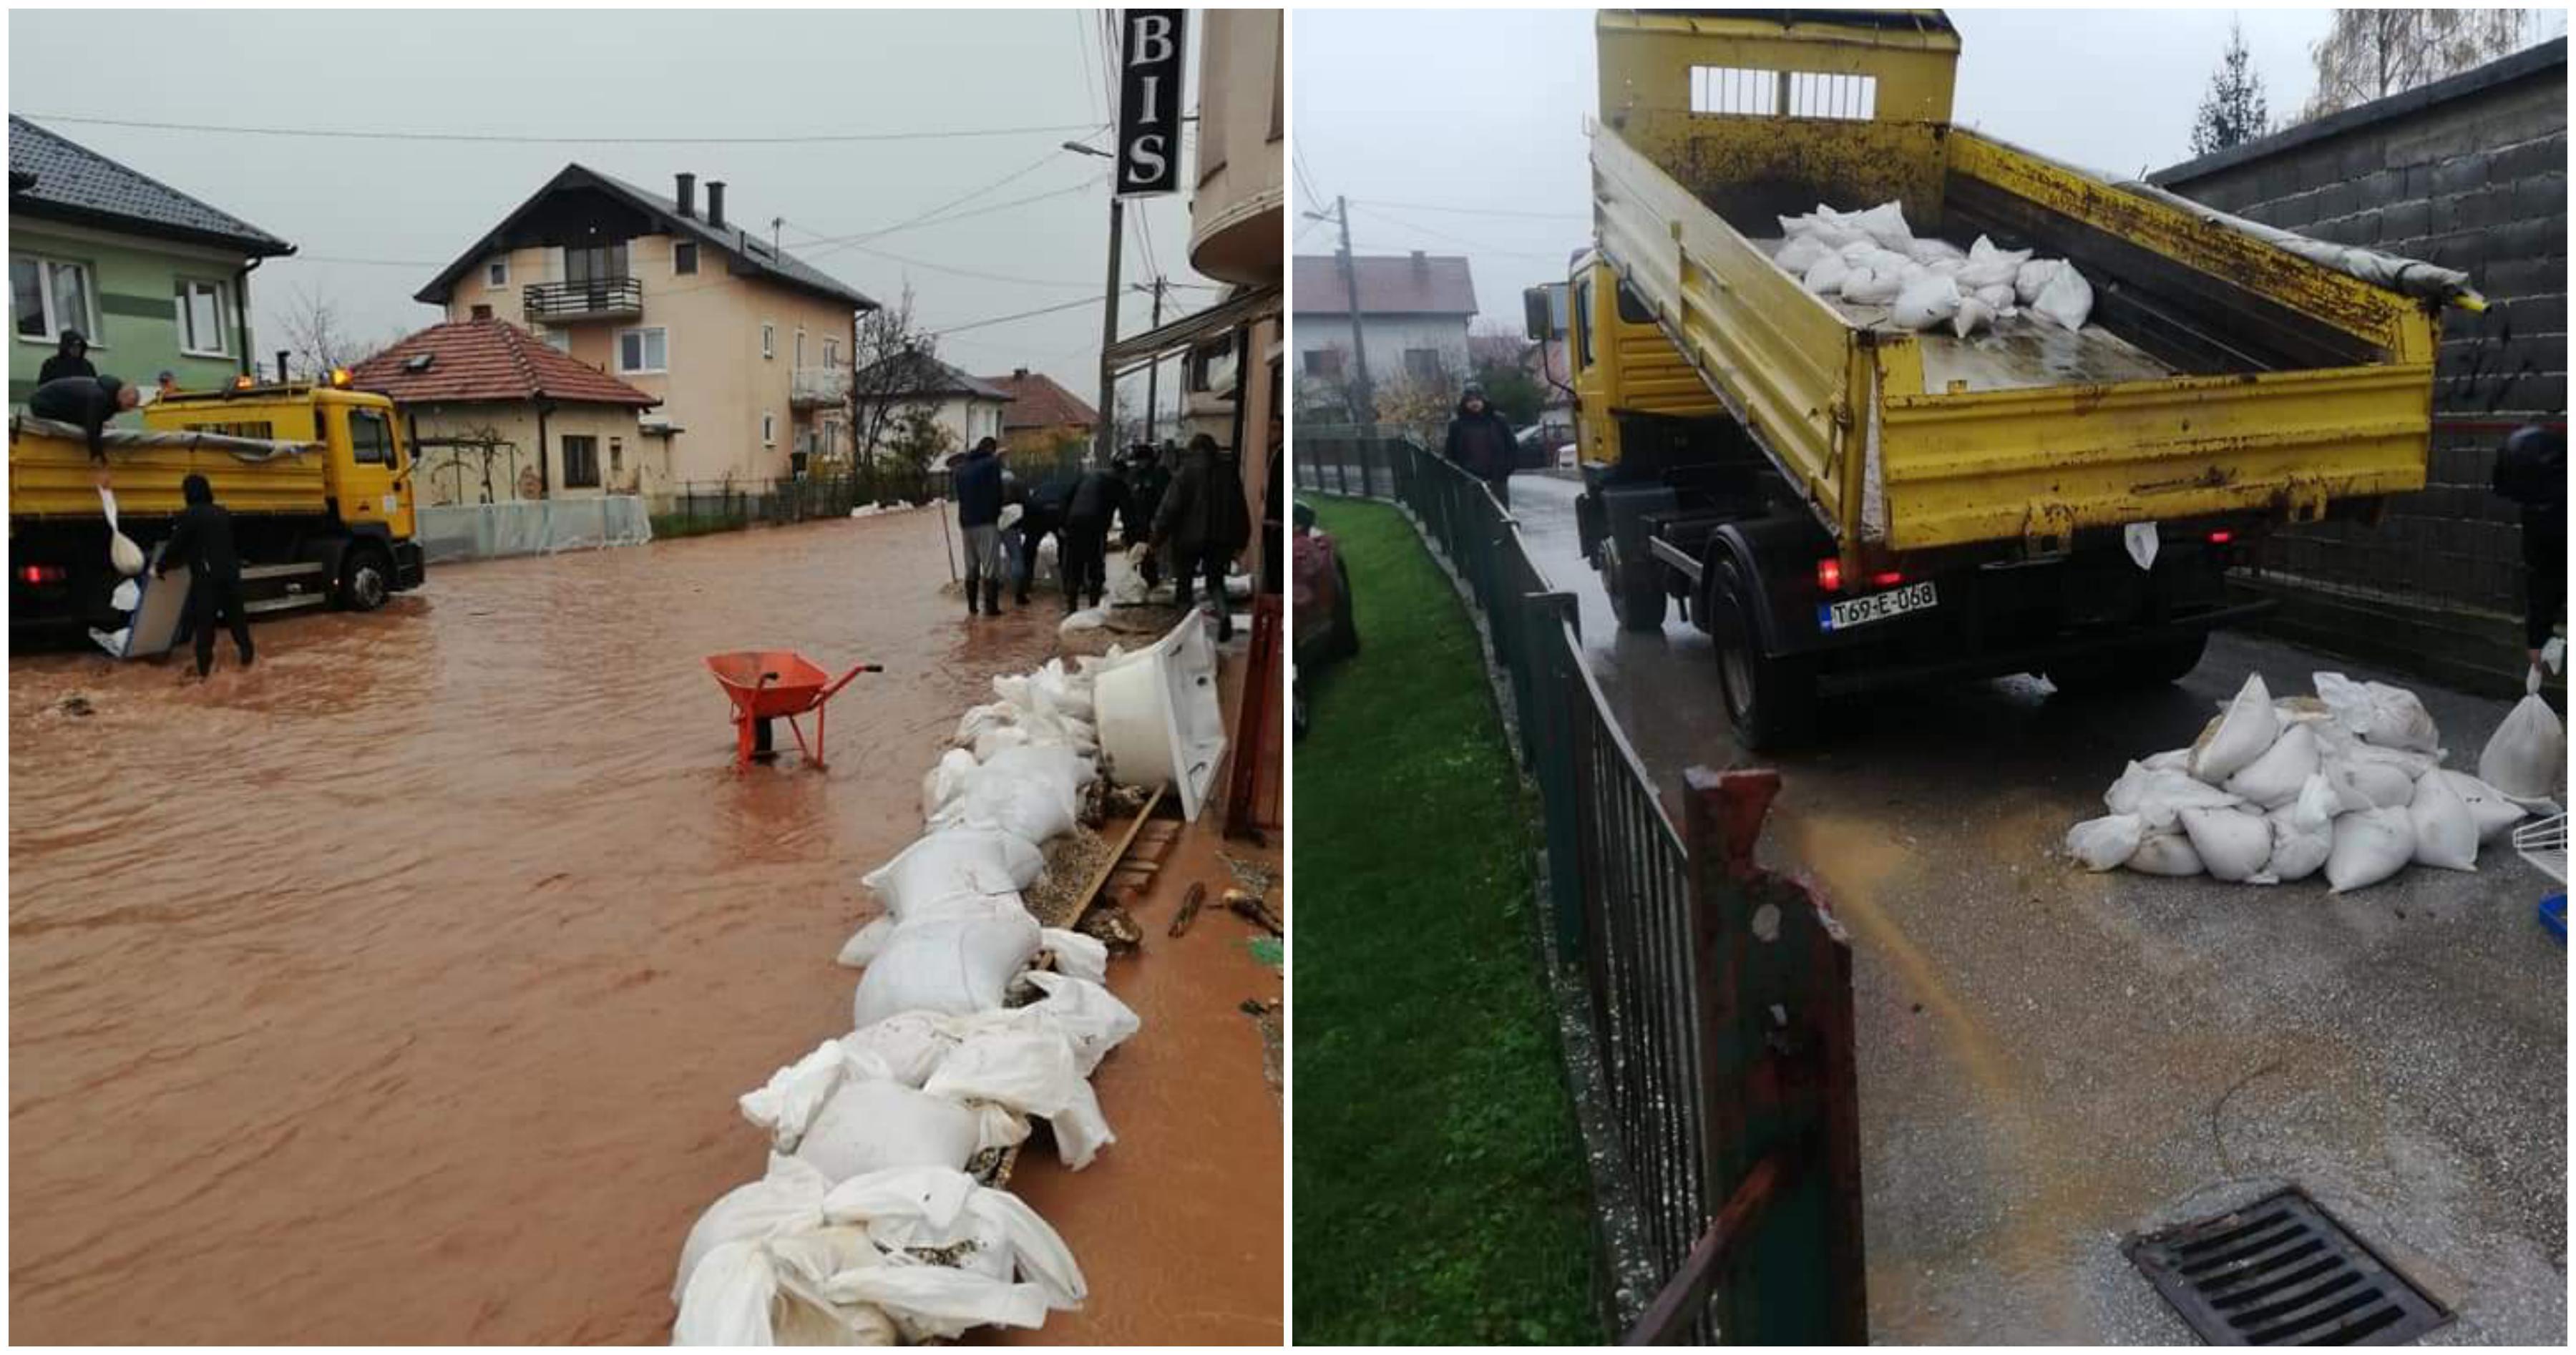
[1480, 443]
[2531, 470]
[89, 402]
[203, 541]
[71, 358]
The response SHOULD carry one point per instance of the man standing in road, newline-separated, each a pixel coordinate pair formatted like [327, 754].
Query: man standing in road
[203, 541]
[70, 358]
[978, 481]
[1480, 443]
[1148, 478]
[1205, 523]
[1097, 496]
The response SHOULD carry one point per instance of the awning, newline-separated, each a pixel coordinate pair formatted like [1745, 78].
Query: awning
[1180, 336]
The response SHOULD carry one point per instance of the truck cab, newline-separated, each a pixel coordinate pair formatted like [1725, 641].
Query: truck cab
[317, 476]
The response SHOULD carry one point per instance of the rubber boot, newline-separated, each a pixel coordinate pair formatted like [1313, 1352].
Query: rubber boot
[971, 608]
[993, 596]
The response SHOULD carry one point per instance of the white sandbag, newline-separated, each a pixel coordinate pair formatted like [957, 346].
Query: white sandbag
[1825, 276]
[2231, 843]
[2446, 833]
[2302, 832]
[2158, 798]
[945, 965]
[1927, 301]
[2361, 784]
[1032, 808]
[939, 1303]
[1885, 223]
[2170, 760]
[1029, 1072]
[979, 719]
[1082, 956]
[2033, 277]
[2275, 778]
[964, 860]
[126, 596]
[2527, 755]
[728, 1298]
[1973, 316]
[2245, 733]
[909, 1045]
[865, 944]
[1089, 1015]
[1089, 618]
[880, 1123]
[2067, 300]
[788, 1199]
[1998, 298]
[1989, 266]
[992, 741]
[1800, 253]
[2104, 843]
[942, 782]
[923, 1208]
[1870, 285]
[1928, 252]
[2167, 853]
[770, 1292]
[2386, 716]
[2494, 811]
[786, 1105]
[2369, 846]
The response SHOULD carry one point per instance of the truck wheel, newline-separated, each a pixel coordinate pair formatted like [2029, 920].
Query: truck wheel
[1770, 701]
[366, 579]
[1636, 590]
[2124, 670]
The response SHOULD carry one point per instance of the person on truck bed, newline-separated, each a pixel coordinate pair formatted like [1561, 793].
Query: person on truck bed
[71, 358]
[1481, 444]
[203, 541]
[89, 401]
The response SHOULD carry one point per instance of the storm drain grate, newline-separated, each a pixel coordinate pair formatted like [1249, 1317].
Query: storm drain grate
[2282, 1272]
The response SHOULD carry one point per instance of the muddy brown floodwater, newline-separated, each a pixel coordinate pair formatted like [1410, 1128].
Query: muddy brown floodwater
[400, 989]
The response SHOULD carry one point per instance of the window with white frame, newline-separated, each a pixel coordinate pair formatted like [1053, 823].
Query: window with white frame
[644, 350]
[559, 340]
[831, 352]
[49, 296]
[769, 341]
[768, 429]
[205, 315]
[496, 273]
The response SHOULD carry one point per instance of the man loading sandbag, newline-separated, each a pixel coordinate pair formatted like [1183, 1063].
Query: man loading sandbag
[88, 401]
[203, 541]
[1204, 522]
[2531, 470]
[1083, 550]
[1480, 443]
[977, 480]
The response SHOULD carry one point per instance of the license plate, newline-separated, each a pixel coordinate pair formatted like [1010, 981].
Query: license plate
[1913, 597]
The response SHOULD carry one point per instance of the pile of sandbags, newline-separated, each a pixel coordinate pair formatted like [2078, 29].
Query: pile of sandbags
[1873, 258]
[876, 1222]
[2349, 781]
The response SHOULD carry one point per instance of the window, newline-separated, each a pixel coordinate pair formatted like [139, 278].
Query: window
[1325, 363]
[684, 257]
[1813, 95]
[1422, 364]
[50, 296]
[371, 439]
[482, 312]
[643, 350]
[559, 340]
[1730, 90]
[616, 456]
[831, 352]
[595, 263]
[769, 341]
[800, 346]
[497, 273]
[580, 461]
[768, 430]
[1583, 323]
[204, 307]
[1632, 307]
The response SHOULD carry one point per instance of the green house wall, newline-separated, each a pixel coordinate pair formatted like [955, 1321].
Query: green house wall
[137, 335]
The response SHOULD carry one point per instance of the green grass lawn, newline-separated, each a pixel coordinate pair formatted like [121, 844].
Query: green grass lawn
[1441, 1189]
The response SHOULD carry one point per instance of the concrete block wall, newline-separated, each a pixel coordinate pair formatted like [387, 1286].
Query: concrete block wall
[2472, 175]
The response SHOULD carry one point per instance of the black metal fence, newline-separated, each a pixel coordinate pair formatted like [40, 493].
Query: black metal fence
[697, 507]
[1714, 1119]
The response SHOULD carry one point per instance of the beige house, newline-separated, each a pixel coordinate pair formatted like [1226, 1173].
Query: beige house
[494, 414]
[745, 348]
[964, 409]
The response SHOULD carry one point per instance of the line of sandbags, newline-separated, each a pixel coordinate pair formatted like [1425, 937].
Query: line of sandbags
[873, 1223]
[2349, 782]
[1873, 258]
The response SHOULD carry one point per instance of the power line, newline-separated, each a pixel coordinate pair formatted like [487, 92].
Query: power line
[1453, 239]
[348, 134]
[1020, 315]
[1474, 211]
[832, 243]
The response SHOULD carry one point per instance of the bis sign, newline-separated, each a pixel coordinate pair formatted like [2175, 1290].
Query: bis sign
[1149, 101]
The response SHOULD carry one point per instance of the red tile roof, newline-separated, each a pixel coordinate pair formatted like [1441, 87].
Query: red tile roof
[1038, 402]
[1417, 284]
[488, 360]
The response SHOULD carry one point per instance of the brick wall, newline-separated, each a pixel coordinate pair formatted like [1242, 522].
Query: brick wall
[2469, 174]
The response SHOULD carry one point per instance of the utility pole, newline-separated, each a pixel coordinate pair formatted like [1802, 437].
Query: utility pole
[1356, 388]
[1109, 334]
[1154, 373]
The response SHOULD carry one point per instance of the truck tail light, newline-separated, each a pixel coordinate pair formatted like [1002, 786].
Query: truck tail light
[1886, 579]
[2221, 538]
[43, 574]
[1829, 575]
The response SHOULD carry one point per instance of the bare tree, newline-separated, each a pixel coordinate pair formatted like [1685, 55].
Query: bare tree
[2373, 53]
[318, 339]
[2234, 111]
[895, 372]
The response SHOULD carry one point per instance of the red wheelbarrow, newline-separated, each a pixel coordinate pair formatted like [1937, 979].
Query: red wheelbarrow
[771, 684]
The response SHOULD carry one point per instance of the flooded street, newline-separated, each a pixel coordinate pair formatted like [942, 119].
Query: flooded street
[399, 989]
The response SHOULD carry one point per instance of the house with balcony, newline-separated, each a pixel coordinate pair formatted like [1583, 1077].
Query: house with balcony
[156, 280]
[1413, 316]
[910, 385]
[496, 414]
[744, 348]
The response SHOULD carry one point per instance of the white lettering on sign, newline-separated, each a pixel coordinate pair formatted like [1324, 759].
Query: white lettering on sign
[1145, 154]
[1150, 41]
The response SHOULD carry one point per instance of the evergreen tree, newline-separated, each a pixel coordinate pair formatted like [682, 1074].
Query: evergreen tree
[2233, 112]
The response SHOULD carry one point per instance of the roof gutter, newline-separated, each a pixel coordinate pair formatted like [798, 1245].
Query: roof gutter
[241, 309]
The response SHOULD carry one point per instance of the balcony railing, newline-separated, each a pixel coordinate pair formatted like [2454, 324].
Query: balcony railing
[595, 299]
[819, 387]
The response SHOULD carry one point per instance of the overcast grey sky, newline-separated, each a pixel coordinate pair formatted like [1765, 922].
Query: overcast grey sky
[1411, 113]
[630, 73]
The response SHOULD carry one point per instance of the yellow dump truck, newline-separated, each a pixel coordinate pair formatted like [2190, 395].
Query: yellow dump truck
[317, 476]
[1845, 504]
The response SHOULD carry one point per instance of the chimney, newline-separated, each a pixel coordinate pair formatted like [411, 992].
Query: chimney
[1421, 262]
[715, 203]
[687, 197]
[1019, 374]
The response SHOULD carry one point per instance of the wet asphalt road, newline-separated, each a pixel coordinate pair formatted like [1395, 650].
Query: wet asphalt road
[2051, 1060]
